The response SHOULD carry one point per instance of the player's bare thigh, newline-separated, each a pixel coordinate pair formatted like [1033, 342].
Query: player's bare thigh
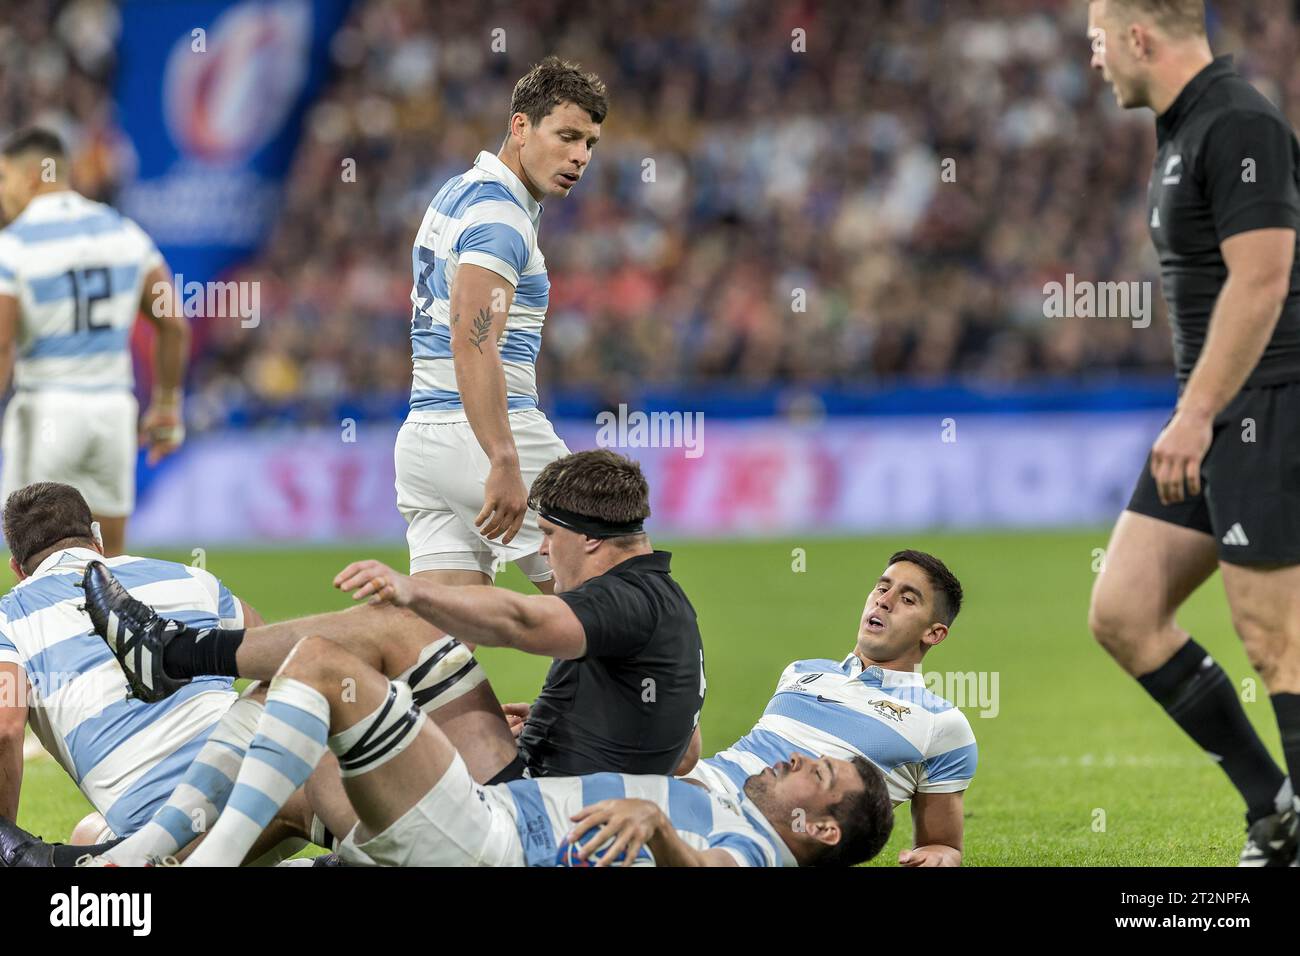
[390, 640]
[383, 794]
[386, 638]
[1150, 568]
[1265, 603]
[474, 722]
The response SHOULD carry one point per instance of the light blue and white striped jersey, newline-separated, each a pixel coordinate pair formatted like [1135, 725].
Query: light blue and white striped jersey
[125, 755]
[702, 818]
[77, 269]
[821, 708]
[484, 217]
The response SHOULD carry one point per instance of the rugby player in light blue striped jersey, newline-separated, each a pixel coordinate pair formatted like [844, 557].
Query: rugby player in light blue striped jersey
[474, 438]
[74, 274]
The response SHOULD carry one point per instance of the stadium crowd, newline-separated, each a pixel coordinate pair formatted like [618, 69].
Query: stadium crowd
[881, 196]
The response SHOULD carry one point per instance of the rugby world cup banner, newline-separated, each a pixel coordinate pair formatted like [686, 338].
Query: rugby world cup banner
[736, 479]
[211, 95]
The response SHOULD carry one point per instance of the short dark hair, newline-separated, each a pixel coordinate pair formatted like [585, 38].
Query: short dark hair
[598, 484]
[554, 81]
[43, 514]
[947, 588]
[34, 139]
[1178, 18]
[866, 819]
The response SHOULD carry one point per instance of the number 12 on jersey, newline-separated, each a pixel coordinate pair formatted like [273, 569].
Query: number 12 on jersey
[88, 287]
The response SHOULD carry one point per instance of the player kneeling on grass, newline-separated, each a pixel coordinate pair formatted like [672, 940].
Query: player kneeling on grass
[418, 805]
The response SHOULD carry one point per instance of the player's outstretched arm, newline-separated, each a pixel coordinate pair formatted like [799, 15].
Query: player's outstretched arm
[480, 302]
[163, 425]
[13, 721]
[937, 823]
[494, 617]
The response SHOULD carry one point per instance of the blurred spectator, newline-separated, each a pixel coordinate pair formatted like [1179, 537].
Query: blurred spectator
[887, 204]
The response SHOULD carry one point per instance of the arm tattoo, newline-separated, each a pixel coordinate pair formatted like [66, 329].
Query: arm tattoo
[482, 328]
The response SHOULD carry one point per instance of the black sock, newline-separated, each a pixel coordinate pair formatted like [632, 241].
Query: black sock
[1287, 709]
[209, 652]
[1197, 694]
[67, 854]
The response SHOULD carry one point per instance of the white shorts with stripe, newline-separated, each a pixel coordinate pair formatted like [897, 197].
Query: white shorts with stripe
[441, 474]
[457, 823]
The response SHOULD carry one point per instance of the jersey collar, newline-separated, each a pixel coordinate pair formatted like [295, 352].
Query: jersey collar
[1168, 121]
[885, 675]
[69, 556]
[498, 170]
[65, 197]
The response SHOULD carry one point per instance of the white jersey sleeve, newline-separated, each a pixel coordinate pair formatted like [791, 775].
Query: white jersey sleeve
[950, 757]
[497, 235]
[9, 655]
[149, 256]
[227, 608]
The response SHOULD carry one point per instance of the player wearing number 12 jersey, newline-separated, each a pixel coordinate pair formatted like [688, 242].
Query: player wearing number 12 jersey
[73, 275]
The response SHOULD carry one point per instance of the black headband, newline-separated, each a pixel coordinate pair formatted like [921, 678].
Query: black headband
[591, 527]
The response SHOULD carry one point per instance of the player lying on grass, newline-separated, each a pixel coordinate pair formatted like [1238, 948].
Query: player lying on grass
[419, 806]
[874, 704]
[127, 756]
[617, 621]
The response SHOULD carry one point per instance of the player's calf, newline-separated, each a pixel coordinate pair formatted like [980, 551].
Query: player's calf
[322, 697]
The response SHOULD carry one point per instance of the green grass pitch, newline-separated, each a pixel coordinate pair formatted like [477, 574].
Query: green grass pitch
[1078, 767]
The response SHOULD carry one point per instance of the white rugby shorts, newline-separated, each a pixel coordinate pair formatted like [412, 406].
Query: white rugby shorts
[457, 823]
[441, 473]
[85, 439]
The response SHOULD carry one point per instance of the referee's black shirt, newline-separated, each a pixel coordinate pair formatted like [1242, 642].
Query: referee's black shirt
[631, 704]
[1227, 162]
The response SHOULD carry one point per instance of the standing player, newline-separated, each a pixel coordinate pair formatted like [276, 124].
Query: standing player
[1222, 485]
[73, 275]
[474, 439]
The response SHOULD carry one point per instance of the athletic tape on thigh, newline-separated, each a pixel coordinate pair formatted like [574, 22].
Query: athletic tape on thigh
[446, 670]
[374, 740]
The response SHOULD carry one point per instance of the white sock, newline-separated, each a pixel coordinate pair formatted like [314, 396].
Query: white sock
[200, 796]
[289, 743]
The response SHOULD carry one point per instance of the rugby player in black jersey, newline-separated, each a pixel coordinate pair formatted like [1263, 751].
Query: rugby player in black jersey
[1221, 488]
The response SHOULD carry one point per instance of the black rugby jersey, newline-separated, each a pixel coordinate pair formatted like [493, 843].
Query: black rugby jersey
[1227, 162]
[632, 702]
